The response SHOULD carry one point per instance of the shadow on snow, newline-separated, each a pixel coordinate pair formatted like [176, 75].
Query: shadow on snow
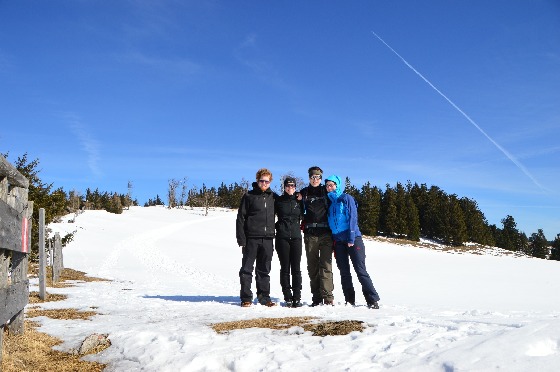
[232, 300]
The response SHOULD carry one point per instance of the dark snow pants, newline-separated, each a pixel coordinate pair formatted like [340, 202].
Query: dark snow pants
[357, 254]
[289, 254]
[261, 250]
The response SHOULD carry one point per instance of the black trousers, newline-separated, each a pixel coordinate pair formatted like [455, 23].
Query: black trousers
[289, 254]
[261, 251]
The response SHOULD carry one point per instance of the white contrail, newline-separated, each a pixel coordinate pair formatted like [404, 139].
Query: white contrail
[504, 151]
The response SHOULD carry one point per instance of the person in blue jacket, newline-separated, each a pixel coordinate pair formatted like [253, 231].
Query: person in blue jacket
[348, 243]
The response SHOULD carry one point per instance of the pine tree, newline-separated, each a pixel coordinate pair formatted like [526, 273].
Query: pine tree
[369, 200]
[412, 219]
[555, 253]
[538, 244]
[389, 212]
[401, 227]
[458, 229]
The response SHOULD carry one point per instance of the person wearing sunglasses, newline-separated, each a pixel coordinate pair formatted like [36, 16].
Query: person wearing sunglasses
[317, 239]
[255, 234]
[348, 243]
[288, 242]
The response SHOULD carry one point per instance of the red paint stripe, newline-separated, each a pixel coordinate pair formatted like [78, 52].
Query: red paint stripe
[24, 235]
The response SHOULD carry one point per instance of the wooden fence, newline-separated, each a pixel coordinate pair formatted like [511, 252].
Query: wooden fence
[15, 244]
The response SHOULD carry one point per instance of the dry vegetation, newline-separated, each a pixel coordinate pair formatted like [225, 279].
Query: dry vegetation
[33, 350]
[308, 323]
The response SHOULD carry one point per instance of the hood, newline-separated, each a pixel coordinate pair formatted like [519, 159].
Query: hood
[339, 186]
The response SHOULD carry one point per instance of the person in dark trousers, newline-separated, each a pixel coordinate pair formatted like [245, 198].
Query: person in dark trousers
[317, 239]
[255, 234]
[288, 242]
[348, 243]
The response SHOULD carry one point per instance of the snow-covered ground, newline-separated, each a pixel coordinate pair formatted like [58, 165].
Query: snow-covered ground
[175, 272]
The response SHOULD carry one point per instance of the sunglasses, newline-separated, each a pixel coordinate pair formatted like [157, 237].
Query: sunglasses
[316, 177]
[291, 185]
[266, 182]
[330, 184]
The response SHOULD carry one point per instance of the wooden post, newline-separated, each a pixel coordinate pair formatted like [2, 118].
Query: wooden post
[57, 258]
[42, 258]
[15, 238]
[4, 262]
[4, 258]
[19, 273]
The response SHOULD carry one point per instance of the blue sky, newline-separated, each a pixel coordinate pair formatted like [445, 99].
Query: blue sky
[463, 95]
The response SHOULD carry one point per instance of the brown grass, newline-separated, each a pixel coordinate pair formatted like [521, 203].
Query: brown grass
[65, 314]
[70, 274]
[32, 351]
[50, 297]
[324, 328]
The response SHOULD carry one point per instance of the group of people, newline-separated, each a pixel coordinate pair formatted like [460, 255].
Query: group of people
[328, 218]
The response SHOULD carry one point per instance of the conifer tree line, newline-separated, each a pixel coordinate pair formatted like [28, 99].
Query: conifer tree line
[408, 211]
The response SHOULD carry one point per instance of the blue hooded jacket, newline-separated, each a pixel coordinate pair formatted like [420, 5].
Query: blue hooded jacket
[343, 213]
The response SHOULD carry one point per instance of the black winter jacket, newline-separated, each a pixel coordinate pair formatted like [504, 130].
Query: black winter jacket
[289, 212]
[255, 217]
[315, 210]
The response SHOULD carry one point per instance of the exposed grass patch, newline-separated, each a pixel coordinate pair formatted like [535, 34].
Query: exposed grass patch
[65, 314]
[50, 297]
[70, 274]
[323, 328]
[32, 351]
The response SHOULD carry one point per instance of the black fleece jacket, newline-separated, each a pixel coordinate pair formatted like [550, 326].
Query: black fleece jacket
[289, 212]
[255, 217]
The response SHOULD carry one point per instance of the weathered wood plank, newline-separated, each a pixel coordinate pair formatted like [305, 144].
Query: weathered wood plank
[57, 258]
[42, 258]
[20, 264]
[10, 227]
[12, 300]
[14, 177]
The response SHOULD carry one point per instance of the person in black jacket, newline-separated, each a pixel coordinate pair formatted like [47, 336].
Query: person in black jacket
[318, 239]
[288, 242]
[255, 234]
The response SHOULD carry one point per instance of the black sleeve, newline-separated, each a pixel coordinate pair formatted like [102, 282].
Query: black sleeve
[240, 222]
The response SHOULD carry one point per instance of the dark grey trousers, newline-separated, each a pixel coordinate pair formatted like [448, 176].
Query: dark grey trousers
[319, 252]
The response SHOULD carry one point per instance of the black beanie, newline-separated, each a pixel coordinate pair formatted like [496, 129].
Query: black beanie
[288, 180]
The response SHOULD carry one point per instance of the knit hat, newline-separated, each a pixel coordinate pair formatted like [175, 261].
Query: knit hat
[288, 180]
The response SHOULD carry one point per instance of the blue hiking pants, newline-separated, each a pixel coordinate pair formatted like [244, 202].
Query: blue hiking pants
[357, 254]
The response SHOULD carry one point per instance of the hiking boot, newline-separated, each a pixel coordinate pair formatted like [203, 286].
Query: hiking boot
[350, 303]
[269, 304]
[329, 302]
[316, 303]
[288, 303]
[373, 305]
[246, 304]
[296, 303]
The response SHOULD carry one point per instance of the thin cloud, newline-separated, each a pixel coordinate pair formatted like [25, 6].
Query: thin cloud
[265, 71]
[89, 145]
